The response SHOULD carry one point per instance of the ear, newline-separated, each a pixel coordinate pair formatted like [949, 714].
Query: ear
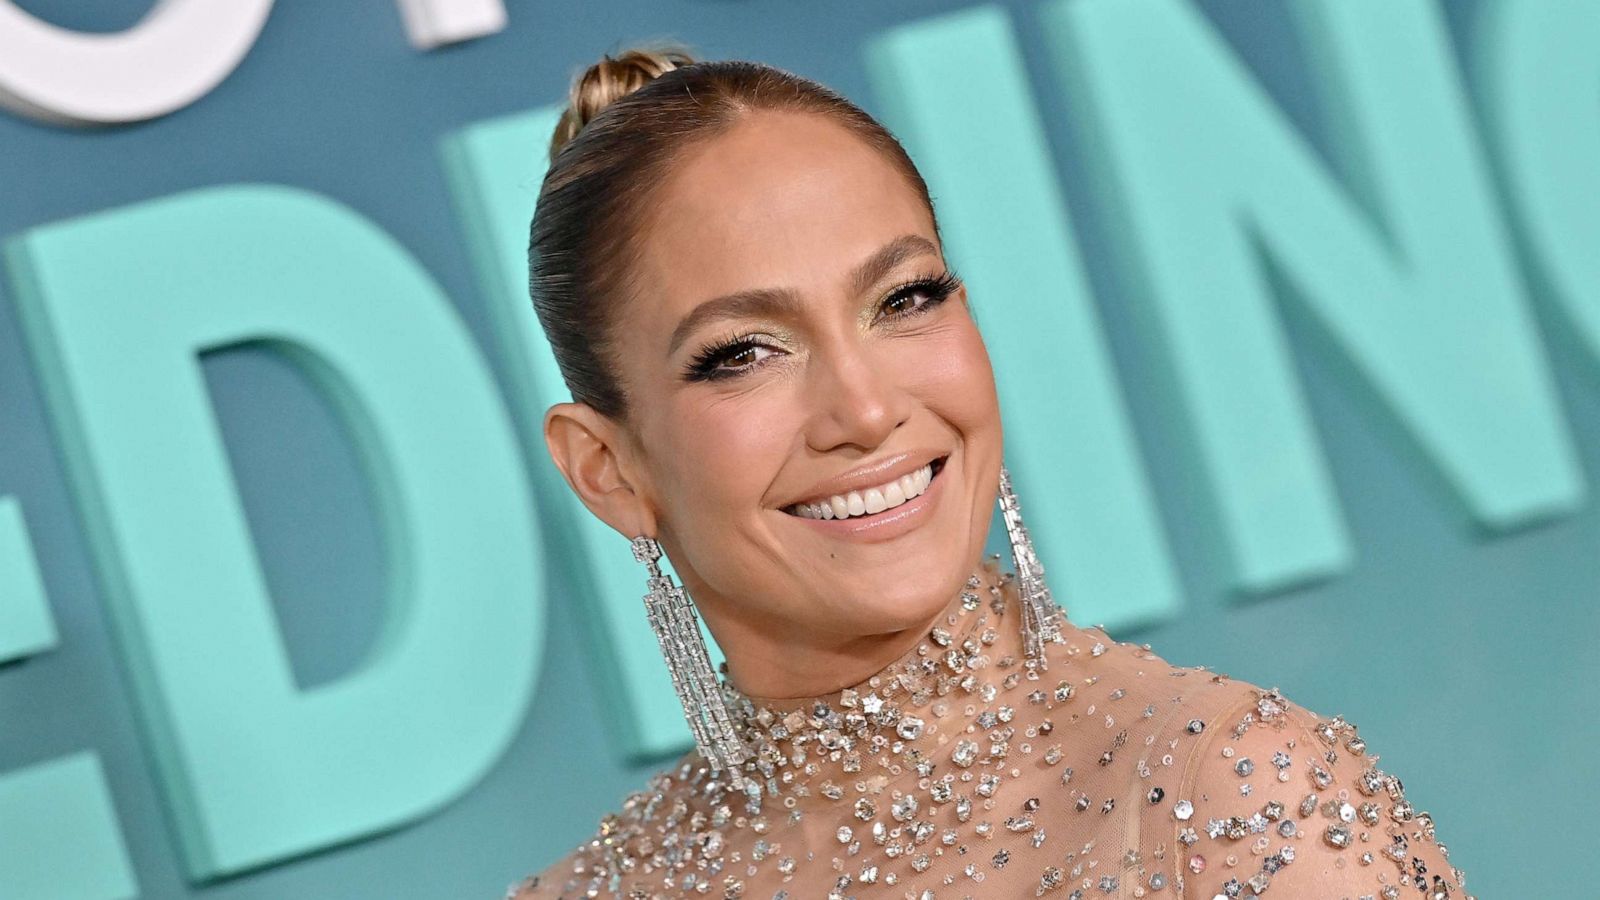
[590, 450]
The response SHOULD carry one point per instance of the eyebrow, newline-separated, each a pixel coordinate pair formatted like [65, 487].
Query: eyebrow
[780, 302]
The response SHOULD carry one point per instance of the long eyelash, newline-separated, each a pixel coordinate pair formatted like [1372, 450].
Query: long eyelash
[938, 290]
[704, 365]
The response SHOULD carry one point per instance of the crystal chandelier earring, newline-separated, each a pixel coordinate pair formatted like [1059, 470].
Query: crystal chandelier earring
[1041, 616]
[672, 618]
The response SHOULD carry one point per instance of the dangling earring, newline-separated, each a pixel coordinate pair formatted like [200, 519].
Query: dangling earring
[677, 628]
[1041, 616]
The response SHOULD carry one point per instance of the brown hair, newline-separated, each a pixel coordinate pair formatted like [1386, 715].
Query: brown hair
[627, 118]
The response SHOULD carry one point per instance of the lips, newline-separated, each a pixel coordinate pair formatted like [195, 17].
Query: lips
[870, 499]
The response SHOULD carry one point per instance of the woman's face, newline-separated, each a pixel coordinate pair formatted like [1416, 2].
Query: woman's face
[791, 341]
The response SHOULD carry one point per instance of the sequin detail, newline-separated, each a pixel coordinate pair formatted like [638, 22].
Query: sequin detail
[963, 770]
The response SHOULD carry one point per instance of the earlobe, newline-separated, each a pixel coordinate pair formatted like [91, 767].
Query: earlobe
[584, 446]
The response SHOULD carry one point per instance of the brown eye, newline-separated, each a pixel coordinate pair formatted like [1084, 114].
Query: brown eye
[744, 357]
[902, 302]
[712, 363]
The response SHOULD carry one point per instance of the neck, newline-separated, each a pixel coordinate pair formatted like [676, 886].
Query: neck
[890, 722]
[798, 669]
[774, 668]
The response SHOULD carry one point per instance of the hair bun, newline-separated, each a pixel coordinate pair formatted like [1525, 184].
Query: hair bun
[611, 79]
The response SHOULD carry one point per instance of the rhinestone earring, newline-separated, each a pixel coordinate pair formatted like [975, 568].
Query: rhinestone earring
[1041, 616]
[677, 628]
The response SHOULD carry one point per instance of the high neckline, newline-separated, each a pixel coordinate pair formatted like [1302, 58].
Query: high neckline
[968, 611]
[919, 700]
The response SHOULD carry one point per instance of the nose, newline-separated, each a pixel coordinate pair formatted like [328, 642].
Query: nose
[857, 400]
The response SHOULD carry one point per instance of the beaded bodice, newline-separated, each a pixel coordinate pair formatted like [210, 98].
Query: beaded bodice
[964, 769]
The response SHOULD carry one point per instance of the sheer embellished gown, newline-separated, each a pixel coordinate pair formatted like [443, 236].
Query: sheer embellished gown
[965, 770]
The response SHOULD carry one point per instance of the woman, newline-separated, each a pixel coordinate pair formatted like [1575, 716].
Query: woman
[778, 381]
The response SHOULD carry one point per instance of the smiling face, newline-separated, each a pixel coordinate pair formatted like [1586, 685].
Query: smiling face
[797, 343]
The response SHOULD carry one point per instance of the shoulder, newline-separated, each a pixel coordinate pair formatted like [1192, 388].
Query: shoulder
[573, 875]
[629, 845]
[576, 874]
[1278, 795]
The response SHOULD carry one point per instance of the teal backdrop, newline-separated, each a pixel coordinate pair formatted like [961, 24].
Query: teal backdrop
[1296, 318]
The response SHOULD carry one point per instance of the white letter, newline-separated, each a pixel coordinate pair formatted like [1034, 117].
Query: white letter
[173, 57]
[430, 23]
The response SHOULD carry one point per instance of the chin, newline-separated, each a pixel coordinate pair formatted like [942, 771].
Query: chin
[910, 601]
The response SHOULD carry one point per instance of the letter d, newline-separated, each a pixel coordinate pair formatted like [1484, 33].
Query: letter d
[115, 308]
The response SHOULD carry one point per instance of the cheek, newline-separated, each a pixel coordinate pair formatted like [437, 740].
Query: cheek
[952, 374]
[727, 452]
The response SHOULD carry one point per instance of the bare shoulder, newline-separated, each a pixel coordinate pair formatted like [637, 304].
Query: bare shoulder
[1279, 795]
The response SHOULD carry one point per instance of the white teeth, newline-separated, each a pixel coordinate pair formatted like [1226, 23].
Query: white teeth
[872, 500]
[894, 494]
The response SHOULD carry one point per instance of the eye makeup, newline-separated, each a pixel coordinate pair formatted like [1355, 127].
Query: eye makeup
[708, 363]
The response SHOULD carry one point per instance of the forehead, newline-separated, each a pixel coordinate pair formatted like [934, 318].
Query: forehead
[779, 199]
